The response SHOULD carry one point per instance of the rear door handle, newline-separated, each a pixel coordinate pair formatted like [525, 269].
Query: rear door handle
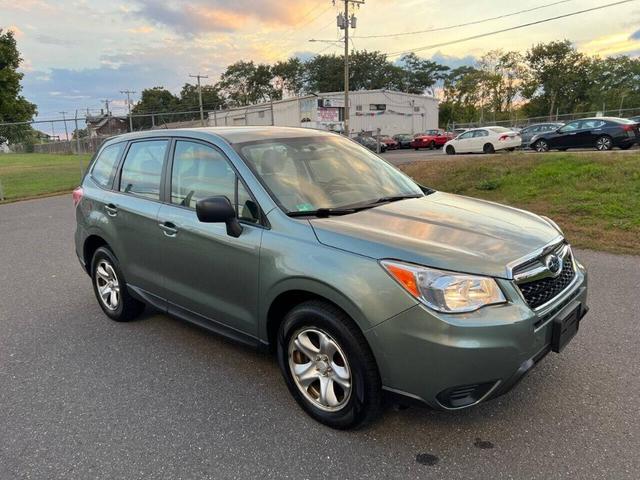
[168, 228]
[111, 209]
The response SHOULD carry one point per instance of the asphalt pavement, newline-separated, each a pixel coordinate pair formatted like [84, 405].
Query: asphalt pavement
[82, 397]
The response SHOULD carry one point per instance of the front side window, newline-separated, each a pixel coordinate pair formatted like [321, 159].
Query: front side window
[105, 165]
[200, 171]
[309, 173]
[142, 169]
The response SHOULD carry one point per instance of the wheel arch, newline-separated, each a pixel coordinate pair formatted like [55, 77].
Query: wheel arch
[291, 295]
[91, 244]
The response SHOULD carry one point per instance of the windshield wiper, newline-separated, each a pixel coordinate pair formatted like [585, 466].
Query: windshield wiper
[325, 212]
[395, 198]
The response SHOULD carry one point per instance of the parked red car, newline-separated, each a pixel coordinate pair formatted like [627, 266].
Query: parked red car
[389, 142]
[431, 139]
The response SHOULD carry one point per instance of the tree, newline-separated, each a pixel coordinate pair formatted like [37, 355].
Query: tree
[246, 83]
[324, 73]
[501, 82]
[155, 100]
[212, 98]
[421, 73]
[557, 78]
[13, 106]
[289, 76]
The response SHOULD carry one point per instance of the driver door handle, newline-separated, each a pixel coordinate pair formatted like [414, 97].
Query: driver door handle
[169, 229]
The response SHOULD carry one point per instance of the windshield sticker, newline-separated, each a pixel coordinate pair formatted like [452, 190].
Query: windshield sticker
[304, 207]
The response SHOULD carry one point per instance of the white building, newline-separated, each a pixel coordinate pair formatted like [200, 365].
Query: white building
[391, 112]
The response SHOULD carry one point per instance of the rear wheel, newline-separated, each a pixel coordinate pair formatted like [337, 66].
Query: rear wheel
[541, 146]
[110, 288]
[604, 143]
[328, 366]
[450, 150]
[626, 147]
[488, 148]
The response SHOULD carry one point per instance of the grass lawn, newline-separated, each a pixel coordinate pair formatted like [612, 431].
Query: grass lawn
[594, 197]
[31, 175]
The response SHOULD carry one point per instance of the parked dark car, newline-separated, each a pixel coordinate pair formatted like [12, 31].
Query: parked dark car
[527, 133]
[404, 140]
[635, 119]
[601, 133]
[371, 144]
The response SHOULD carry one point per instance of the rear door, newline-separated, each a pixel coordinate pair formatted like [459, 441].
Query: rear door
[589, 132]
[480, 137]
[134, 209]
[207, 272]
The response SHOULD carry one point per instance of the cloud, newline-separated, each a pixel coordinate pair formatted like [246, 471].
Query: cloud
[454, 62]
[197, 17]
[635, 35]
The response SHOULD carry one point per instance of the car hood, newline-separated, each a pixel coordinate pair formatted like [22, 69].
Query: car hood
[440, 230]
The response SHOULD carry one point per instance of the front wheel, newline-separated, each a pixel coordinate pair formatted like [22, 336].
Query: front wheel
[328, 366]
[450, 150]
[604, 143]
[433, 145]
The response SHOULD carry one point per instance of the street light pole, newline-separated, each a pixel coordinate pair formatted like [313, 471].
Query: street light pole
[198, 76]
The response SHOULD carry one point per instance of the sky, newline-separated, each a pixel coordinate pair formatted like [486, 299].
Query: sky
[78, 52]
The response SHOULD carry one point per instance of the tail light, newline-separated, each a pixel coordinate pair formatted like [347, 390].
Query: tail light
[503, 138]
[629, 128]
[78, 193]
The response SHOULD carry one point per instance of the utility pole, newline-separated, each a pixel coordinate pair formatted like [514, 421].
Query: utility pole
[128, 93]
[345, 22]
[64, 120]
[198, 76]
[106, 104]
[78, 140]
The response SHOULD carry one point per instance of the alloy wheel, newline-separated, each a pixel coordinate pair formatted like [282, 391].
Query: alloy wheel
[542, 146]
[108, 285]
[603, 143]
[320, 369]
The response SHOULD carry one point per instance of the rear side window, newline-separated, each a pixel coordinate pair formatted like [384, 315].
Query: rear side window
[105, 165]
[142, 169]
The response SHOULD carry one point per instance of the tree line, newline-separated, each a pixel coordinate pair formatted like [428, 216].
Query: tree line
[548, 78]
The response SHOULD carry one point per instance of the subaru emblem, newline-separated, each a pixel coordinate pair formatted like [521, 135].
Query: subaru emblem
[554, 265]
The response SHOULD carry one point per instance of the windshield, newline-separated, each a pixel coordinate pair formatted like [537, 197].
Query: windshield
[305, 174]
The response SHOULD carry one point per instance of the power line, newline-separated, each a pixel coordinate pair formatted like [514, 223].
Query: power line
[475, 22]
[495, 32]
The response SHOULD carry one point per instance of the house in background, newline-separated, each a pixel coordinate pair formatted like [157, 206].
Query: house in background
[105, 125]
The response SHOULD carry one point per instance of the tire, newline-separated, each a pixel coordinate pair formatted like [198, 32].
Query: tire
[417, 148]
[450, 150]
[626, 147]
[488, 148]
[604, 143]
[342, 408]
[433, 145]
[541, 146]
[512, 149]
[120, 305]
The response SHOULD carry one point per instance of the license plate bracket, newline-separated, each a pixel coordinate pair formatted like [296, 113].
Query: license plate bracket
[565, 328]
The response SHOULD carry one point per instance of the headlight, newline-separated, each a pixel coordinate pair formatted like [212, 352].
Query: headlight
[446, 292]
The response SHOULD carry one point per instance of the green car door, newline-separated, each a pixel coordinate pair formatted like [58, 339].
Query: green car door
[206, 271]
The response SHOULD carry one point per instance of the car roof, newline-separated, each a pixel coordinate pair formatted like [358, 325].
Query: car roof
[229, 134]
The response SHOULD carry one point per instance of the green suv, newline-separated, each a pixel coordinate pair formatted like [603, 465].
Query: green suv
[360, 280]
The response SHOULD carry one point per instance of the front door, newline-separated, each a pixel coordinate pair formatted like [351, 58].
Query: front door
[207, 272]
[568, 136]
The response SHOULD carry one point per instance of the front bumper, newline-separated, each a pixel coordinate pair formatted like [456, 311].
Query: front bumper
[456, 361]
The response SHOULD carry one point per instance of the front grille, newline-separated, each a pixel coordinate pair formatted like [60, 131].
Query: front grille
[539, 292]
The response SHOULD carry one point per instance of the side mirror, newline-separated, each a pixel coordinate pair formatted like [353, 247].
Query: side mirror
[219, 210]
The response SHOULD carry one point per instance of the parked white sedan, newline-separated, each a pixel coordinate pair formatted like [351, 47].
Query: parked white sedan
[484, 140]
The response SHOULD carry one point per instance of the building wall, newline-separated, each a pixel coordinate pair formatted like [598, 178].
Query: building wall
[403, 113]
